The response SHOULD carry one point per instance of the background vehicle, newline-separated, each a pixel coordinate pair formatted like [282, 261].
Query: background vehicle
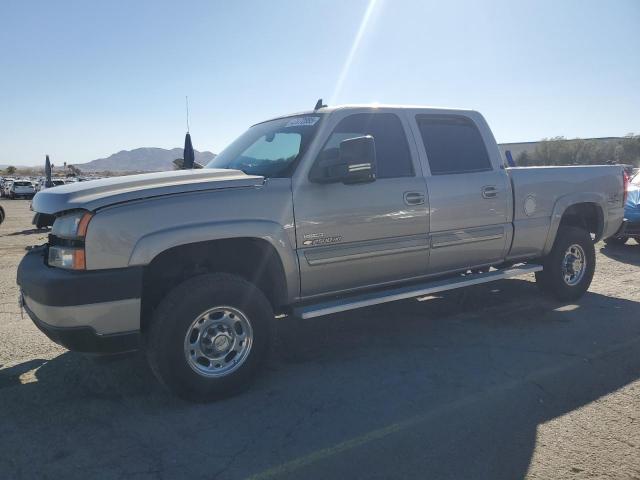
[307, 215]
[22, 189]
[43, 220]
[7, 187]
[631, 225]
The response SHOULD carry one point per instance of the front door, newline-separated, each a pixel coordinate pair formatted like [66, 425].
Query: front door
[366, 234]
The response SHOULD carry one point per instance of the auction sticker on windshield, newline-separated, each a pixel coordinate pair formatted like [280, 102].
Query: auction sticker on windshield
[302, 122]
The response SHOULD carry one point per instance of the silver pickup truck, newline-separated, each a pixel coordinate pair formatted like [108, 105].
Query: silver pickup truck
[304, 215]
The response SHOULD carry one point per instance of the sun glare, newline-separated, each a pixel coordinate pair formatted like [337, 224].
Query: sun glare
[354, 49]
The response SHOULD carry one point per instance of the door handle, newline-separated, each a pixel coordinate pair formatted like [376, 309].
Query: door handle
[414, 198]
[489, 191]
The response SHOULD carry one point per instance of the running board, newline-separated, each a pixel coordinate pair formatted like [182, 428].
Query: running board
[402, 293]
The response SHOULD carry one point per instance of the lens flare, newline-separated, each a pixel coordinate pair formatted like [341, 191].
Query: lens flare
[354, 49]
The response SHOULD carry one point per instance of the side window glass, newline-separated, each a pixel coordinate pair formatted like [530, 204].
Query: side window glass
[392, 150]
[453, 145]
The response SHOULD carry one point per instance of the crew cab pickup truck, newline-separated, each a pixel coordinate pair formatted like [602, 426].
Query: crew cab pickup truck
[302, 216]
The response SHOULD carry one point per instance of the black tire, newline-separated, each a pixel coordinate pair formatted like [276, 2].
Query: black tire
[1, 215]
[165, 338]
[551, 279]
[616, 240]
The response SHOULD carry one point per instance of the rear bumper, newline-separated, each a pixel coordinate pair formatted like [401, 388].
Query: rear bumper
[89, 311]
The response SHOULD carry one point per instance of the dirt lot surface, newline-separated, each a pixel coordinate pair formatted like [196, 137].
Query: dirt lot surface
[497, 382]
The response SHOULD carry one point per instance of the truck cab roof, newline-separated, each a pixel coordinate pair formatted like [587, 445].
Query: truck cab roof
[375, 106]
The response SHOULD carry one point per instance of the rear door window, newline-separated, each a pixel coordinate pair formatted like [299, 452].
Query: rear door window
[453, 144]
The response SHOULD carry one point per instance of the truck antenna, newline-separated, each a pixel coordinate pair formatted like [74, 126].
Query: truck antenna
[186, 98]
[319, 105]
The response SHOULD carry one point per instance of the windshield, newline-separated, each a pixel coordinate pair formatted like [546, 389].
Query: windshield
[270, 149]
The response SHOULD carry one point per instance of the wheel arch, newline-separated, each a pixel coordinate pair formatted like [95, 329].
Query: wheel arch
[584, 210]
[259, 252]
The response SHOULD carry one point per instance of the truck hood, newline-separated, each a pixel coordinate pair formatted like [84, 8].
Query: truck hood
[96, 194]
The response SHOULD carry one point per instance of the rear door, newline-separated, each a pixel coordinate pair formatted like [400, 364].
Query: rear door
[367, 234]
[468, 194]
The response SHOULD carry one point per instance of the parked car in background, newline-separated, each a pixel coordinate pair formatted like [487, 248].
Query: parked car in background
[631, 224]
[6, 187]
[21, 189]
[43, 220]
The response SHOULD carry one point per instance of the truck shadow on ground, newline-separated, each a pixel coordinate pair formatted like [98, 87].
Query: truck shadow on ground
[454, 386]
[628, 253]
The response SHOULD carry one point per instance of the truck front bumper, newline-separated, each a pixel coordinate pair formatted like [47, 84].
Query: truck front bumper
[94, 311]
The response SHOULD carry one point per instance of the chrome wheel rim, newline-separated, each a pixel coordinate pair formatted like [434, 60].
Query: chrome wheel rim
[218, 341]
[574, 265]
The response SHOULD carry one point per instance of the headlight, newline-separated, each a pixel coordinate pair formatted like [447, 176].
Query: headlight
[72, 226]
[66, 249]
[66, 257]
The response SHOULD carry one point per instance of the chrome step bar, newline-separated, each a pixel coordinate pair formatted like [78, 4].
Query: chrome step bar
[402, 293]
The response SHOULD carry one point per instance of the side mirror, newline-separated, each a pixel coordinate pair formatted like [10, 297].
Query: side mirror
[353, 162]
[359, 156]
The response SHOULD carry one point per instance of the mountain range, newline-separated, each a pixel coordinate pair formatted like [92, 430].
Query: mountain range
[147, 159]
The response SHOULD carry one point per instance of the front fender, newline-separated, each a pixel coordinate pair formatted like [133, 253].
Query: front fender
[566, 201]
[152, 244]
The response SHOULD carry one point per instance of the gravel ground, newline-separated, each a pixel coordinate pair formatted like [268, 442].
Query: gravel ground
[496, 382]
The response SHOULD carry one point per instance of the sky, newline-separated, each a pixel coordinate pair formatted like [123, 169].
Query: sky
[82, 80]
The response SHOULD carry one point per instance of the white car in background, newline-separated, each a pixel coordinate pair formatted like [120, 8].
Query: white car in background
[6, 187]
[55, 182]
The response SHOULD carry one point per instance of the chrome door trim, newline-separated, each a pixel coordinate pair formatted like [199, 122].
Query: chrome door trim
[461, 237]
[360, 250]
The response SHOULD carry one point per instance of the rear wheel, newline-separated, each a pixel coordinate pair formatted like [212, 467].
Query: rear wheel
[569, 267]
[209, 336]
[616, 240]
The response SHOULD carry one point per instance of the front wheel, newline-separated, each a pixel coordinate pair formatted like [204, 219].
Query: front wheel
[209, 336]
[569, 267]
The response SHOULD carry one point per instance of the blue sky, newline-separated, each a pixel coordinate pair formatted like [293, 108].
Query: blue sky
[81, 80]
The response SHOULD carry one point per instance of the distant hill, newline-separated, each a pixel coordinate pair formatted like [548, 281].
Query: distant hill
[149, 159]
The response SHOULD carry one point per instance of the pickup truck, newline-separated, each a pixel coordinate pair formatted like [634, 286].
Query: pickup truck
[302, 216]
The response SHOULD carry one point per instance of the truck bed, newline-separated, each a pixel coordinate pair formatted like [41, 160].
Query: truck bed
[542, 194]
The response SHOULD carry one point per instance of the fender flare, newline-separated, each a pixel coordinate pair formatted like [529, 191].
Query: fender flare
[566, 201]
[151, 245]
